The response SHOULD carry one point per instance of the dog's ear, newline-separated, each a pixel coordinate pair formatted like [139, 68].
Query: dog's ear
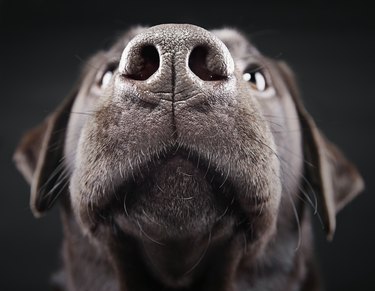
[39, 157]
[333, 178]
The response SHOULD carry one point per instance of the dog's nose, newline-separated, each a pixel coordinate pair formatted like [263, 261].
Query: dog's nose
[176, 60]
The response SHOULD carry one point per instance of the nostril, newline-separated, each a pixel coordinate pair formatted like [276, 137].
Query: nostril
[148, 63]
[198, 64]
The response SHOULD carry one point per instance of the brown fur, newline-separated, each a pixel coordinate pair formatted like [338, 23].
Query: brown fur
[179, 175]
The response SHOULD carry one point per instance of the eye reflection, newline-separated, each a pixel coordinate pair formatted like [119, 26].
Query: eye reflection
[256, 78]
[107, 77]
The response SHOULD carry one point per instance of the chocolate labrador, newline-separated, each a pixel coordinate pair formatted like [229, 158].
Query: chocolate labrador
[184, 159]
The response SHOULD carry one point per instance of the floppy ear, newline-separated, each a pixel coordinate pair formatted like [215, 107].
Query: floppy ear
[39, 157]
[334, 179]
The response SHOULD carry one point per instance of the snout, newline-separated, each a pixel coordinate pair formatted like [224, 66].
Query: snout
[174, 62]
[177, 149]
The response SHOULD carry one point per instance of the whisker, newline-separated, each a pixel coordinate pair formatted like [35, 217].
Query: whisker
[83, 113]
[281, 117]
[226, 177]
[89, 213]
[223, 214]
[201, 256]
[245, 243]
[147, 236]
[52, 176]
[62, 184]
[208, 166]
[298, 222]
[199, 157]
[315, 203]
[150, 219]
[124, 205]
[184, 198]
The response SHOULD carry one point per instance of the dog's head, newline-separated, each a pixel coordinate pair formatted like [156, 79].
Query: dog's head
[180, 136]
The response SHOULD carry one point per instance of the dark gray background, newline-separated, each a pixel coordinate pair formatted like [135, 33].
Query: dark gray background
[330, 45]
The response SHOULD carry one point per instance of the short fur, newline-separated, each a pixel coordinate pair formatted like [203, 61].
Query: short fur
[180, 175]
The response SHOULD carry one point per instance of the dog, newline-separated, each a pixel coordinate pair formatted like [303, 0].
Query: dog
[184, 159]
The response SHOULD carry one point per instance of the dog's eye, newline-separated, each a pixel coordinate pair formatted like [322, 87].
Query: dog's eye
[107, 76]
[256, 78]
[106, 79]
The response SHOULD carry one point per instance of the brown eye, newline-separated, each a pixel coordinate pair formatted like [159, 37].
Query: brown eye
[256, 78]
